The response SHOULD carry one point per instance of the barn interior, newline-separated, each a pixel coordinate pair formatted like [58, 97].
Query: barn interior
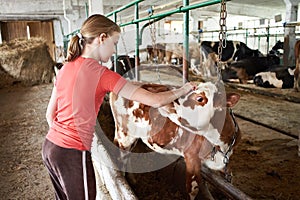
[34, 39]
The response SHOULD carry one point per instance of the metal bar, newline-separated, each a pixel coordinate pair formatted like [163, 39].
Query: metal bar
[228, 189]
[86, 10]
[185, 43]
[137, 51]
[124, 7]
[178, 10]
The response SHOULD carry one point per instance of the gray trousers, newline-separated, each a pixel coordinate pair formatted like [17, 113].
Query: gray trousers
[71, 172]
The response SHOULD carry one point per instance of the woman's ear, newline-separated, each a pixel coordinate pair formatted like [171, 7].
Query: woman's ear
[102, 36]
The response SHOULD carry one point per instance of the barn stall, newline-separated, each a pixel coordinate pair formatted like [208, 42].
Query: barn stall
[273, 156]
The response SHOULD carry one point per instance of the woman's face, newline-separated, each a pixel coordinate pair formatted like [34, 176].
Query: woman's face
[107, 47]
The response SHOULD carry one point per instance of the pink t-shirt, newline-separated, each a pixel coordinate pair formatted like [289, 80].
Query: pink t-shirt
[81, 86]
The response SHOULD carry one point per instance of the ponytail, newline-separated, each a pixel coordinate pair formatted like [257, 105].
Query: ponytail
[75, 47]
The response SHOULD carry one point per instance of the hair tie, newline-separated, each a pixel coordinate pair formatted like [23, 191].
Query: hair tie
[79, 35]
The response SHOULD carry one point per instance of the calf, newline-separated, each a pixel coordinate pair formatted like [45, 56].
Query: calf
[192, 128]
[275, 78]
[297, 70]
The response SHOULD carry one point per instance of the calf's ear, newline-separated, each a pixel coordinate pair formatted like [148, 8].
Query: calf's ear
[232, 99]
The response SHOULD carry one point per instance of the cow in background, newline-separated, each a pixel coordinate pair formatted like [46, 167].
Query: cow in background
[157, 53]
[188, 127]
[125, 66]
[233, 51]
[247, 68]
[276, 77]
[275, 49]
[174, 53]
[297, 70]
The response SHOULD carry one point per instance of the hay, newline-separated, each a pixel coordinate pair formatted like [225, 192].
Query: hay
[26, 61]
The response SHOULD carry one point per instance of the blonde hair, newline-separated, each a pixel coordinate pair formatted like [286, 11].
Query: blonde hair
[91, 28]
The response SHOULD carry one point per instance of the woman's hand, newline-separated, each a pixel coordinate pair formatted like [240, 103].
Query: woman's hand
[189, 86]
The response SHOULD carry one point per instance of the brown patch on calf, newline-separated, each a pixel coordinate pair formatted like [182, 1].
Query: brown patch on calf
[193, 156]
[196, 100]
[162, 134]
[142, 112]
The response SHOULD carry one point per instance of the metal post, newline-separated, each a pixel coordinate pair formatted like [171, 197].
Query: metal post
[185, 66]
[86, 10]
[137, 41]
[268, 37]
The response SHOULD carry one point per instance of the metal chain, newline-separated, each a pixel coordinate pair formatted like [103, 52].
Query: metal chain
[222, 37]
[154, 46]
[122, 38]
[125, 48]
[152, 34]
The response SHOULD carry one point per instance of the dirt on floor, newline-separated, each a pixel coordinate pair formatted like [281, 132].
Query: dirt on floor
[265, 164]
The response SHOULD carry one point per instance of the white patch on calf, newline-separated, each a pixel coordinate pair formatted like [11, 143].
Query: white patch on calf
[137, 127]
[212, 135]
[158, 149]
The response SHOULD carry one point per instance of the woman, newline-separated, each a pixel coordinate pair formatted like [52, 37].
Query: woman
[74, 104]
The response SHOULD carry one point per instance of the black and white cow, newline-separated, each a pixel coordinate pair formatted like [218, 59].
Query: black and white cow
[279, 77]
[232, 51]
[277, 49]
[124, 66]
[247, 68]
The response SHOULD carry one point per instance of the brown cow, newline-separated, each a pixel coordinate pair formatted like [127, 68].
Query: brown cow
[156, 53]
[186, 127]
[297, 70]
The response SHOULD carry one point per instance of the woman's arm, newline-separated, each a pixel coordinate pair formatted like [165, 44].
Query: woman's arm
[156, 100]
[52, 106]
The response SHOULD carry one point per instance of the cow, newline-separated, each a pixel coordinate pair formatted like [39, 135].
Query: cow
[156, 53]
[275, 78]
[125, 65]
[231, 51]
[56, 69]
[247, 68]
[297, 70]
[275, 49]
[193, 117]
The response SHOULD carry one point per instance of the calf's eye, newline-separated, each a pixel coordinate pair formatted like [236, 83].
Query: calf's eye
[199, 99]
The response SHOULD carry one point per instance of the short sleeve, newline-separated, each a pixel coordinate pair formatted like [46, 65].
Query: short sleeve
[111, 81]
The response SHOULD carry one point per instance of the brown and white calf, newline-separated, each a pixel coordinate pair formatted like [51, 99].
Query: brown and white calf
[195, 117]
